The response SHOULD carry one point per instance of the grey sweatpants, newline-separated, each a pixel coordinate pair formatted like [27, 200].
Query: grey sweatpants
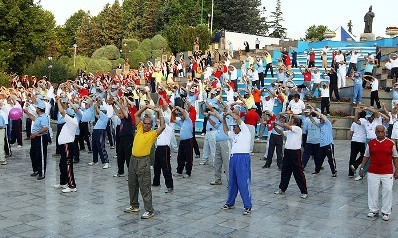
[140, 178]
[221, 160]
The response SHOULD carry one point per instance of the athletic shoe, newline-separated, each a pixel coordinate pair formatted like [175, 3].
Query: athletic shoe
[357, 178]
[304, 195]
[112, 147]
[334, 175]
[19, 146]
[118, 175]
[90, 151]
[115, 156]
[92, 163]
[147, 215]
[131, 209]
[155, 185]
[186, 176]
[216, 182]
[41, 177]
[247, 211]
[197, 156]
[373, 214]
[202, 163]
[178, 175]
[60, 186]
[265, 166]
[169, 190]
[34, 174]
[315, 173]
[56, 154]
[69, 190]
[279, 192]
[353, 169]
[386, 217]
[4, 163]
[106, 166]
[226, 207]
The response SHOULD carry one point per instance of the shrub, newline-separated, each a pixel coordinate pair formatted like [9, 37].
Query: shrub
[131, 45]
[58, 73]
[101, 65]
[146, 48]
[136, 57]
[5, 79]
[116, 63]
[158, 42]
[110, 52]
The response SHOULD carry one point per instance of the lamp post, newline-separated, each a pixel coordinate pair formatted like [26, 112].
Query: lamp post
[50, 58]
[212, 14]
[201, 14]
[74, 55]
[208, 21]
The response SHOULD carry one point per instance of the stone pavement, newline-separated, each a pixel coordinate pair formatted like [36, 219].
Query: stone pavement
[334, 207]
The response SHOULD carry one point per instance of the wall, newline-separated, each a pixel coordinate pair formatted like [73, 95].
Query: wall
[237, 40]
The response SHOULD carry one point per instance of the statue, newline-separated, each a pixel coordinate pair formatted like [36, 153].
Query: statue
[368, 19]
[196, 44]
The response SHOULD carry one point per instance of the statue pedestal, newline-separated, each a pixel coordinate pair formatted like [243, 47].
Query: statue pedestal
[367, 37]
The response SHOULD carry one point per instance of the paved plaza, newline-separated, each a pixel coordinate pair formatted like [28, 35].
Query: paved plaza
[334, 207]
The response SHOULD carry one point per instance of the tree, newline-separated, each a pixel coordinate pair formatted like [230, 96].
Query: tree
[25, 30]
[239, 16]
[349, 25]
[276, 24]
[132, 22]
[88, 37]
[110, 24]
[315, 33]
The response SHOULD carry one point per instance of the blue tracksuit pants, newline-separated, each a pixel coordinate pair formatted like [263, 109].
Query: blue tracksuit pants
[239, 179]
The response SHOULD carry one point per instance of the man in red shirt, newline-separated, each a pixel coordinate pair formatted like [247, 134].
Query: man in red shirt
[307, 76]
[192, 115]
[382, 154]
[251, 120]
[311, 62]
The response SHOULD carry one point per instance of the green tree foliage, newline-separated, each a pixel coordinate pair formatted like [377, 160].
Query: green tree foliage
[110, 23]
[146, 48]
[135, 57]
[66, 34]
[88, 37]
[5, 79]
[181, 38]
[25, 30]
[276, 24]
[132, 21]
[315, 33]
[95, 66]
[109, 52]
[158, 42]
[239, 16]
[40, 68]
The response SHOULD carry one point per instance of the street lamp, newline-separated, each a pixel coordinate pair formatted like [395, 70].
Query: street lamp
[50, 58]
[208, 21]
[74, 55]
[212, 15]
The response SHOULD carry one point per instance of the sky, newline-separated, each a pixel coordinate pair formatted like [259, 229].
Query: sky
[298, 15]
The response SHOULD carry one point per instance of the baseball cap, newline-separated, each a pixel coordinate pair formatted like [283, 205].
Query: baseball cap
[213, 92]
[40, 105]
[254, 106]
[70, 112]
[369, 114]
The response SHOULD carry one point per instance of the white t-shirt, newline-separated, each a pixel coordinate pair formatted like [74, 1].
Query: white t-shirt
[354, 58]
[371, 127]
[324, 92]
[165, 137]
[359, 133]
[230, 95]
[394, 63]
[316, 77]
[296, 107]
[234, 73]
[293, 138]
[339, 58]
[268, 105]
[241, 141]
[68, 131]
[375, 85]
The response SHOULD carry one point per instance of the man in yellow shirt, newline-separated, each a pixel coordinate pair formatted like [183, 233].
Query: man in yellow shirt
[139, 168]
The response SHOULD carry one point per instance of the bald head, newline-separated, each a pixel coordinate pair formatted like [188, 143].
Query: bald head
[380, 132]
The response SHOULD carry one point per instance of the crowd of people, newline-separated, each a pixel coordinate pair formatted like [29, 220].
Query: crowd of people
[139, 112]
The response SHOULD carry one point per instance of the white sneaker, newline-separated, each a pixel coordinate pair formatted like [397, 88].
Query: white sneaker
[373, 214]
[92, 163]
[147, 215]
[106, 166]
[119, 175]
[279, 192]
[61, 186]
[304, 195]
[202, 163]
[115, 156]
[4, 163]
[386, 217]
[69, 190]
[357, 178]
[352, 167]
[19, 146]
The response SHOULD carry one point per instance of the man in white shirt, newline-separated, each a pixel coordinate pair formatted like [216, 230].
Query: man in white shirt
[296, 106]
[66, 140]
[267, 102]
[292, 157]
[352, 67]
[239, 164]
[374, 91]
[342, 69]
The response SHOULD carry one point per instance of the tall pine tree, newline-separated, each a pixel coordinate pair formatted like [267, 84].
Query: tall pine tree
[88, 37]
[132, 21]
[239, 16]
[276, 24]
[110, 22]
